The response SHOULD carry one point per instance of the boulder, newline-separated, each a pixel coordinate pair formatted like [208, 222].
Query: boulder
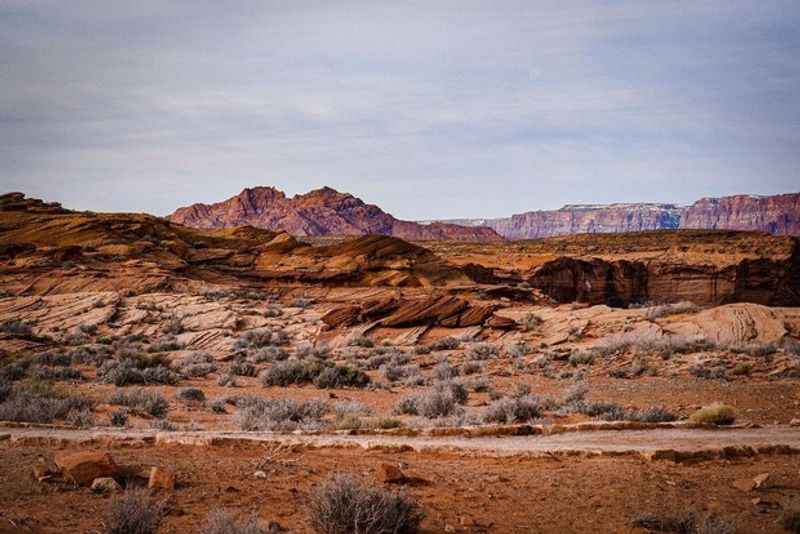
[431, 310]
[390, 474]
[83, 467]
[105, 485]
[760, 481]
[45, 469]
[161, 478]
[501, 323]
[342, 316]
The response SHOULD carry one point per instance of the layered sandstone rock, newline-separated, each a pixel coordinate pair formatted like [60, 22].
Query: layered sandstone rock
[760, 269]
[317, 213]
[779, 215]
[45, 249]
[614, 218]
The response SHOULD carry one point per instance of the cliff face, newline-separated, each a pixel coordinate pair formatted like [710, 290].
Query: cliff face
[320, 212]
[704, 267]
[615, 218]
[779, 214]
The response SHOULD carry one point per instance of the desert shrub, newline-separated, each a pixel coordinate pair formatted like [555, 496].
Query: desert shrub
[341, 376]
[361, 341]
[742, 369]
[518, 350]
[664, 310]
[16, 327]
[163, 425]
[344, 506]
[521, 390]
[142, 401]
[714, 414]
[422, 349]
[470, 368]
[351, 407]
[652, 343]
[53, 359]
[302, 302]
[575, 393]
[513, 410]
[446, 343]
[198, 370]
[308, 350]
[80, 418]
[133, 367]
[279, 414]
[791, 346]
[321, 374]
[407, 406]
[160, 375]
[686, 523]
[708, 372]
[581, 357]
[268, 354]
[242, 369]
[226, 380]
[445, 371]
[13, 371]
[653, 414]
[791, 521]
[221, 521]
[376, 361]
[272, 312]
[173, 325]
[262, 337]
[35, 401]
[441, 400]
[482, 351]
[393, 373]
[165, 344]
[530, 321]
[134, 512]
[218, 406]
[195, 365]
[56, 373]
[755, 349]
[119, 417]
[89, 329]
[478, 385]
[191, 394]
[5, 390]
[119, 373]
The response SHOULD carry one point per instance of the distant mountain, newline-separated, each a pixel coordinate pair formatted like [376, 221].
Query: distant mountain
[778, 214]
[317, 213]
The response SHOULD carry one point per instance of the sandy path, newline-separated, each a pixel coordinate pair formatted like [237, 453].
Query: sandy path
[614, 441]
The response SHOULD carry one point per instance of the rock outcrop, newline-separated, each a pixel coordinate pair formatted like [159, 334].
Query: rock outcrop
[45, 249]
[779, 215]
[684, 269]
[435, 310]
[318, 213]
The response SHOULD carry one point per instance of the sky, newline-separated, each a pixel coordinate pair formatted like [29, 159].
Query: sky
[430, 109]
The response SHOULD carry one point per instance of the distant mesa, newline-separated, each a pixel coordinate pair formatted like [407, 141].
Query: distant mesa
[777, 214]
[320, 212]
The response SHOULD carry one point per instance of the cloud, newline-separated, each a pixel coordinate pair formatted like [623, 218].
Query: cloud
[444, 110]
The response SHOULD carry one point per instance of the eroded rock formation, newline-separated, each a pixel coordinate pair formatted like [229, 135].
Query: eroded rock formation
[318, 213]
[779, 215]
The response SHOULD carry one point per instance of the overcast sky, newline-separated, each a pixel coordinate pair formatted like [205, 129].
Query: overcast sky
[429, 109]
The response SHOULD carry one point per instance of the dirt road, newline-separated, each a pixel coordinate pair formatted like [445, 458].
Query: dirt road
[598, 441]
